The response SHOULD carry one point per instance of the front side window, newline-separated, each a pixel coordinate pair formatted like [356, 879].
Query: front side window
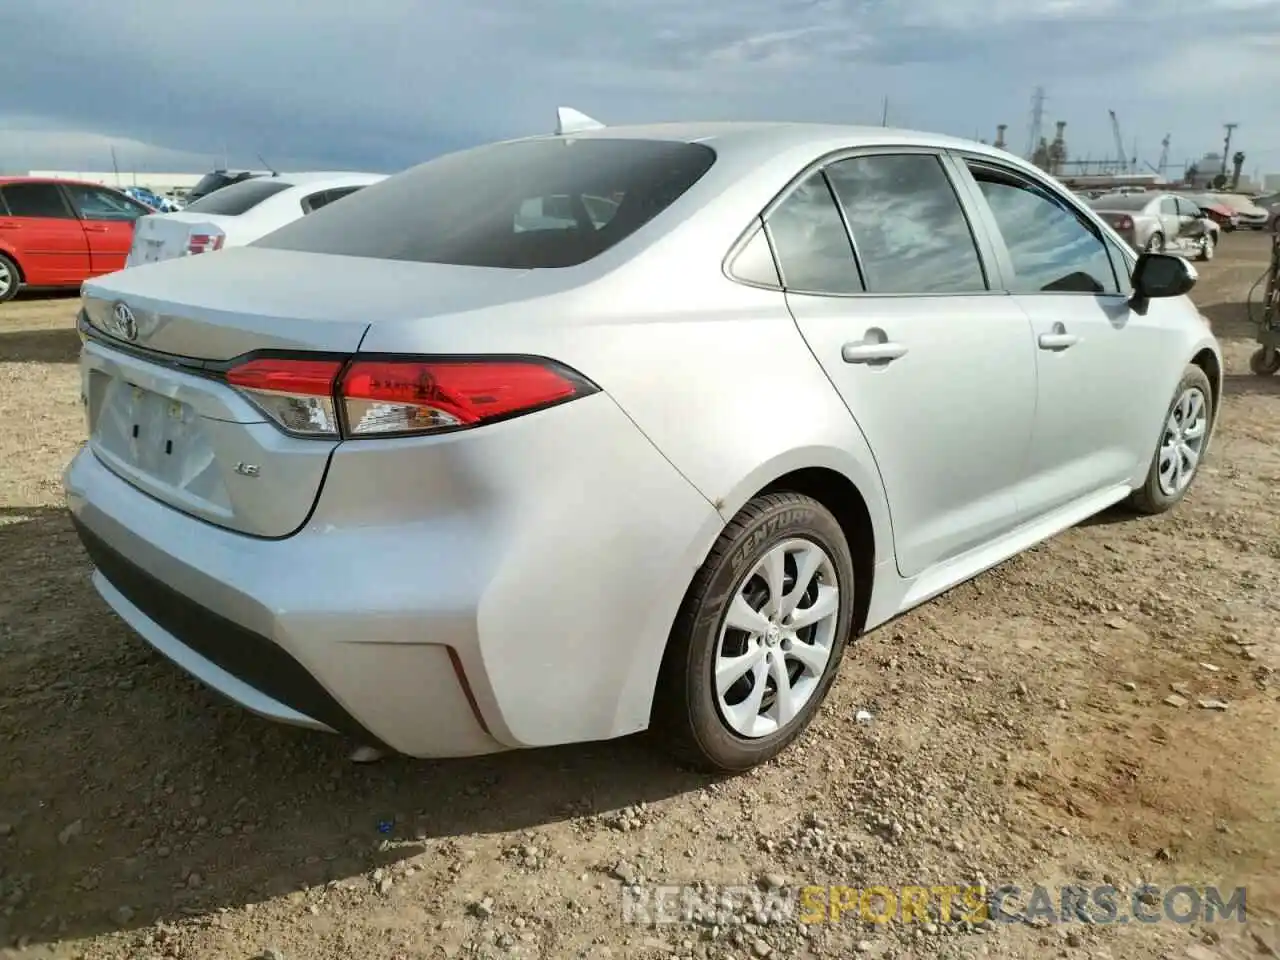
[93, 203]
[810, 241]
[909, 230]
[1052, 248]
[43, 200]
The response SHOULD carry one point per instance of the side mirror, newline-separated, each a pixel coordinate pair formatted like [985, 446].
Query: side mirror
[1160, 275]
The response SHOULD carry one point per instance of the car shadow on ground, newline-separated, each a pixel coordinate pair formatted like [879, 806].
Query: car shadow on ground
[1246, 384]
[161, 778]
[1235, 321]
[55, 345]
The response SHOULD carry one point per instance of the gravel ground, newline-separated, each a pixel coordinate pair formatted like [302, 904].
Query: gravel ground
[1102, 709]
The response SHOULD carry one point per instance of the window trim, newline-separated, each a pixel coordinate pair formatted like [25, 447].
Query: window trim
[756, 229]
[848, 237]
[978, 230]
[1085, 216]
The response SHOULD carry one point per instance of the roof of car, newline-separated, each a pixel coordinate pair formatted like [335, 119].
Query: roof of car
[779, 133]
[336, 177]
[83, 183]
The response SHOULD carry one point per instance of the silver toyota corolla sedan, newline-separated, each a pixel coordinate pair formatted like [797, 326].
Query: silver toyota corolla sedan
[564, 438]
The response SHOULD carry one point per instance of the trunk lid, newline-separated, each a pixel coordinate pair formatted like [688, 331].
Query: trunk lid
[167, 236]
[158, 420]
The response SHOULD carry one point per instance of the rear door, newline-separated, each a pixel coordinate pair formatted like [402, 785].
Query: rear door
[1099, 365]
[43, 234]
[936, 367]
[1170, 220]
[108, 220]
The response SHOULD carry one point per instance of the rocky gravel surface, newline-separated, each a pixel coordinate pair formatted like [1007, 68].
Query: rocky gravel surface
[1099, 712]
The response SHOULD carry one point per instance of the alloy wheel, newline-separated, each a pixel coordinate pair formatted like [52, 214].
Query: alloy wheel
[1183, 442]
[6, 279]
[776, 639]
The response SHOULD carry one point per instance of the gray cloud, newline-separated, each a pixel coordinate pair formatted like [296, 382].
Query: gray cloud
[386, 83]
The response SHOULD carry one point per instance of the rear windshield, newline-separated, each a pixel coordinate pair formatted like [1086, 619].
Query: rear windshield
[238, 198]
[520, 205]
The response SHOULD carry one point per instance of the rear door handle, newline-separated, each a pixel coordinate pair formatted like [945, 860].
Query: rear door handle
[93, 228]
[10, 226]
[860, 351]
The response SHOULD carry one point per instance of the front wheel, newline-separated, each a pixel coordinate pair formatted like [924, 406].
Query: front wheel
[1206, 247]
[1184, 441]
[759, 637]
[8, 279]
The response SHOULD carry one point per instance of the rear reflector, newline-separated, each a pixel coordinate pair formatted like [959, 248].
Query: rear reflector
[367, 397]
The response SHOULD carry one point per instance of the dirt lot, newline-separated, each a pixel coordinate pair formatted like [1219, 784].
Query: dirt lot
[1019, 736]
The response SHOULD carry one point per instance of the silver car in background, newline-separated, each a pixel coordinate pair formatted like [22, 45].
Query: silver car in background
[564, 438]
[1159, 222]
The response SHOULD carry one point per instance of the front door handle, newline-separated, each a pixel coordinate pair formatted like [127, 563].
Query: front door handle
[1059, 339]
[860, 351]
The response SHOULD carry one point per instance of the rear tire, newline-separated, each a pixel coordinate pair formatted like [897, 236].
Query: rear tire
[1171, 473]
[734, 724]
[10, 279]
[1155, 244]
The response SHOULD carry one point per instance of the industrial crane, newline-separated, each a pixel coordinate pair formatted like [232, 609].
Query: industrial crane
[1115, 132]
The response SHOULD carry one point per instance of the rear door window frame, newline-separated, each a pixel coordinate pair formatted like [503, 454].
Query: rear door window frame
[68, 207]
[993, 268]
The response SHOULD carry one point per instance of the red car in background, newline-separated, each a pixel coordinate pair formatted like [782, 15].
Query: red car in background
[59, 233]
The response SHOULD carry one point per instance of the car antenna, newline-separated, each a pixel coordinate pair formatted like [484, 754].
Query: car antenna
[272, 170]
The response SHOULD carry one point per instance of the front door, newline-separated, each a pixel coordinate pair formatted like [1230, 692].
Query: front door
[937, 370]
[107, 218]
[1100, 373]
[43, 234]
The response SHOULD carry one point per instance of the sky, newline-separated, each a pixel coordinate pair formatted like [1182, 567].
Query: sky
[383, 84]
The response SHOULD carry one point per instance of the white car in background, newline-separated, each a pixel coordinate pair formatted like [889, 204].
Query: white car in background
[239, 214]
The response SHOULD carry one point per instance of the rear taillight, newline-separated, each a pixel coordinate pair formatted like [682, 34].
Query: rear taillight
[378, 397]
[296, 394]
[205, 242]
[1123, 223]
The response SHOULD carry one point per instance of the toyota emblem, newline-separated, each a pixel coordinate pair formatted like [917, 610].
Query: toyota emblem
[126, 326]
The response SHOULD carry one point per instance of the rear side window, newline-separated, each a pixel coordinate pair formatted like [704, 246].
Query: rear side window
[238, 198]
[521, 205]
[1052, 248]
[909, 229]
[325, 197]
[810, 241]
[36, 200]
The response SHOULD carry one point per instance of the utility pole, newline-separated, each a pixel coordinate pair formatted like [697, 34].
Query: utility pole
[1226, 146]
[884, 114]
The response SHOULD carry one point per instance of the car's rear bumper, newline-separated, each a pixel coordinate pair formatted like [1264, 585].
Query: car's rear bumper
[438, 603]
[412, 698]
